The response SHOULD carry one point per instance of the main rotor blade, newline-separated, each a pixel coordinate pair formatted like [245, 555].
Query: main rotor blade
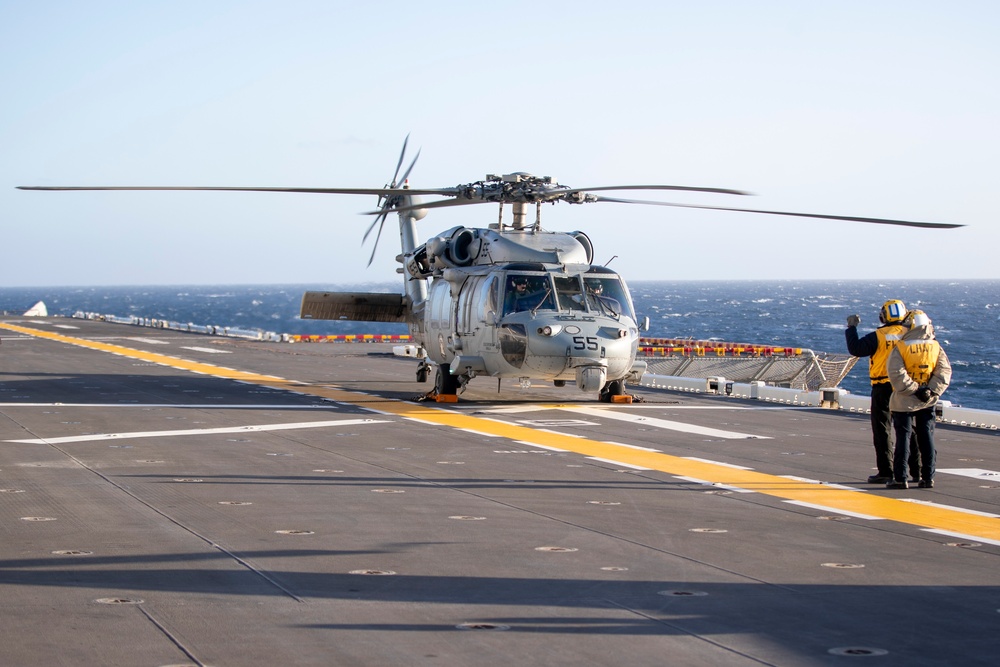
[683, 188]
[877, 221]
[434, 204]
[336, 191]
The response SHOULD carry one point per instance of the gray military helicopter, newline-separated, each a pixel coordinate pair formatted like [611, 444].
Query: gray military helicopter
[512, 300]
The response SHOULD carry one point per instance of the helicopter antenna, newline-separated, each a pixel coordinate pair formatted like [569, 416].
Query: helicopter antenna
[613, 258]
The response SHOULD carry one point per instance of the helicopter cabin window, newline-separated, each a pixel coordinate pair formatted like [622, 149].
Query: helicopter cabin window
[440, 299]
[467, 298]
[488, 299]
[476, 302]
[527, 292]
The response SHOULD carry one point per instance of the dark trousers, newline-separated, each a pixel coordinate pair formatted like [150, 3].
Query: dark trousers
[882, 429]
[920, 422]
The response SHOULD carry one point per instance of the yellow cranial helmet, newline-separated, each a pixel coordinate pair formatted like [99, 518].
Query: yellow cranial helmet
[893, 312]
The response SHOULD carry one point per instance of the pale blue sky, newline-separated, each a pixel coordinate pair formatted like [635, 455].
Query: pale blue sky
[879, 109]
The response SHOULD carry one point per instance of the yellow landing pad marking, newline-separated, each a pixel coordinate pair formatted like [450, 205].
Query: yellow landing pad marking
[934, 518]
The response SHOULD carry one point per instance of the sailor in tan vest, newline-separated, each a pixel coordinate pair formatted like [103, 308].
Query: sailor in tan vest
[919, 372]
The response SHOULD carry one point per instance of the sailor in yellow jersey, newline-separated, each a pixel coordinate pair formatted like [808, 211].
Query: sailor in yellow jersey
[919, 372]
[876, 346]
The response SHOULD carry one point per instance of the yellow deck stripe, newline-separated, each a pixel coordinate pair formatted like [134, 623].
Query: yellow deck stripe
[894, 509]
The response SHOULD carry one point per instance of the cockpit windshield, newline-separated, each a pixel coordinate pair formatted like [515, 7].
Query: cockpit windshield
[528, 292]
[606, 294]
[601, 293]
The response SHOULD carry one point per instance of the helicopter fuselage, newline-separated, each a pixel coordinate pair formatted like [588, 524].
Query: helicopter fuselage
[523, 304]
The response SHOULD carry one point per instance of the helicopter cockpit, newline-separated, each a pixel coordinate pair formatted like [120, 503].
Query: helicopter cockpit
[601, 293]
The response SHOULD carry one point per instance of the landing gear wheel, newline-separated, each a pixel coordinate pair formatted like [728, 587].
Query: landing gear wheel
[445, 383]
[612, 389]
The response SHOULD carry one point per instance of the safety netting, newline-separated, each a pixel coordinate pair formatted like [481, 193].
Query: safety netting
[796, 368]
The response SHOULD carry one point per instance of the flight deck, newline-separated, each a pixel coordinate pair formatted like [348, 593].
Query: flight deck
[170, 498]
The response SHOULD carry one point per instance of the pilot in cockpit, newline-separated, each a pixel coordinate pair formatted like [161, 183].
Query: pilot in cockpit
[524, 293]
[597, 299]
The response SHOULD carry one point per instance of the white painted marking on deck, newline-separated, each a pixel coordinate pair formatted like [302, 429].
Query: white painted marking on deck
[928, 503]
[705, 482]
[535, 407]
[976, 473]
[618, 463]
[718, 463]
[559, 433]
[209, 350]
[482, 433]
[557, 422]
[151, 341]
[198, 431]
[425, 422]
[807, 480]
[962, 536]
[64, 326]
[535, 444]
[623, 444]
[663, 423]
[833, 510]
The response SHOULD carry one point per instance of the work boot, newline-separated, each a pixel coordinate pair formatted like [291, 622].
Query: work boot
[879, 479]
[901, 484]
[926, 484]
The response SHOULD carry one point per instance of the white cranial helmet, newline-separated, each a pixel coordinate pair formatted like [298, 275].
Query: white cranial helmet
[920, 319]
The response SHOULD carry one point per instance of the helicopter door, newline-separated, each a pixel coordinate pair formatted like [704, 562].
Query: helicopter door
[466, 321]
[439, 318]
[474, 318]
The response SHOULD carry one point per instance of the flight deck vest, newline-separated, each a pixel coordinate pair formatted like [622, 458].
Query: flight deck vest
[888, 336]
[920, 357]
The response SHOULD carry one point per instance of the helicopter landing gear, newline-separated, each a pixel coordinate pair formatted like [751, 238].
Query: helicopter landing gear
[446, 386]
[423, 370]
[611, 390]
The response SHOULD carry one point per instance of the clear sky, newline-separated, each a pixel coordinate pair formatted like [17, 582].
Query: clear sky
[870, 108]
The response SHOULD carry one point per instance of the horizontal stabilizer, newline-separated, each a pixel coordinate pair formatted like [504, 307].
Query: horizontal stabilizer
[354, 306]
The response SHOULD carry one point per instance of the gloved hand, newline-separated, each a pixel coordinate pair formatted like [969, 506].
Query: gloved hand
[853, 320]
[923, 394]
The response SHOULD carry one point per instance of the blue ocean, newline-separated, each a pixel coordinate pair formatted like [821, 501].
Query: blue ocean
[789, 313]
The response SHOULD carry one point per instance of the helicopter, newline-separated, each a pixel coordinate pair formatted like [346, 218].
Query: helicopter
[509, 300]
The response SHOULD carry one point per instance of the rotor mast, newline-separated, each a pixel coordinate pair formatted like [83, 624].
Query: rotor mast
[517, 190]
